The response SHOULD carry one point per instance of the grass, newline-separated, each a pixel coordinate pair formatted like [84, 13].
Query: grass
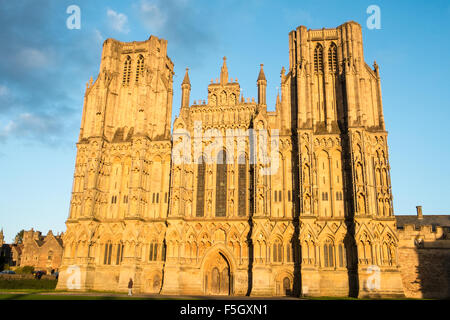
[34, 296]
[43, 284]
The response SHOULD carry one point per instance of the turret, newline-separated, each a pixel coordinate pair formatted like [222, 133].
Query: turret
[262, 85]
[185, 90]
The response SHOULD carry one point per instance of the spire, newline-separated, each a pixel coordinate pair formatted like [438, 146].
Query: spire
[186, 78]
[185, 90]
[262, 84]
[261, 76]
[224, 72]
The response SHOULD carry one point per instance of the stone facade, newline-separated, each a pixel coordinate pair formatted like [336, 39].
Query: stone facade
[292, 201]
[41, 252]
[424, 255]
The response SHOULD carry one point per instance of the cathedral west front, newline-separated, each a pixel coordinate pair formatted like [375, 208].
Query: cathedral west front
[235, 199]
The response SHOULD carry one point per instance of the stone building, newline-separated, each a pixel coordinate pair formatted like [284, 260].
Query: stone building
[238, 199]
[424, 254]
[41, 252]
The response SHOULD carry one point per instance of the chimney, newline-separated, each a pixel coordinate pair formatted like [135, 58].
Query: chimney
[419, 212]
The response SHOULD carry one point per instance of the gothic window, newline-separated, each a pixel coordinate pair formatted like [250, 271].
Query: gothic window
[279, 195]
[288, 253]
[275, 195]
[325, 196]
[341, 256]
[318, 58]
[332, 57]
[157, 197]
[221, 184]
[289, 195]
[277, 252]
[107, 255]
[153, 252]
[139, 67]
[119, 253]
[165, 197]
[200, 187]
[328, 254]
[126, 71]
[242, 183]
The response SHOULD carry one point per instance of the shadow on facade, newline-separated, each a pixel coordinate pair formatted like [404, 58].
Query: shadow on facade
[349, 209]
[433, 270]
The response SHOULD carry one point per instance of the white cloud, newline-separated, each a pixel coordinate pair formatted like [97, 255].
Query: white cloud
[28, 125]
[155, 19]
[33, 58]
[3, 91]
[118, 21]
[98, 36]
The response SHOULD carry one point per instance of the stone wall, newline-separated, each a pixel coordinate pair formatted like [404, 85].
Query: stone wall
[424, 261]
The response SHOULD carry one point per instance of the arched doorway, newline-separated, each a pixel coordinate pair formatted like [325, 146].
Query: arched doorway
[217, 275]
[287, 286]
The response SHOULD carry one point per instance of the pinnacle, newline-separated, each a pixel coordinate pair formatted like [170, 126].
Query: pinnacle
[186, 78]
[261, 76]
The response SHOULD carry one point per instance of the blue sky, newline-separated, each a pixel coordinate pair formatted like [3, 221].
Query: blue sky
[44, 67]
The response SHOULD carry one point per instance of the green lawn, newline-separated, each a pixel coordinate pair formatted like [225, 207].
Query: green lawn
[34, 296]
[43, 284]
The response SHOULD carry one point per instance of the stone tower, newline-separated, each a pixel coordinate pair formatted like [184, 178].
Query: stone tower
[345, 198]
[122, 164]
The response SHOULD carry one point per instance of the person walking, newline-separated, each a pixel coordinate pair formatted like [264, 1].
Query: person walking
[130, 287]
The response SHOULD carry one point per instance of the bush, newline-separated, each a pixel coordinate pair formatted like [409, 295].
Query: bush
[25, 270]
[42, 284]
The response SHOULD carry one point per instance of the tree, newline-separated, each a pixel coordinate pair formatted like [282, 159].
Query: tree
[19, 237]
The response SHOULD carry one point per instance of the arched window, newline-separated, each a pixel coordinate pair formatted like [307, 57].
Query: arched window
[318, 58]
[288, 253]
[139, 67]
[277, 252]
[107, 255]
[332, 58]
[221, 184]
[119, 253]
[200, 187]
[341, 256]
[328, 254]
[126, 71]
[153, 251]
[242, 184]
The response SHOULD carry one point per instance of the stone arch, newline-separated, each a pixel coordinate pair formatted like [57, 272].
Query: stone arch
[283, 283]
[218, 268]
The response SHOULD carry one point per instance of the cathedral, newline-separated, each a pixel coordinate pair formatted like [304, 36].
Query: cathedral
[235, 199]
